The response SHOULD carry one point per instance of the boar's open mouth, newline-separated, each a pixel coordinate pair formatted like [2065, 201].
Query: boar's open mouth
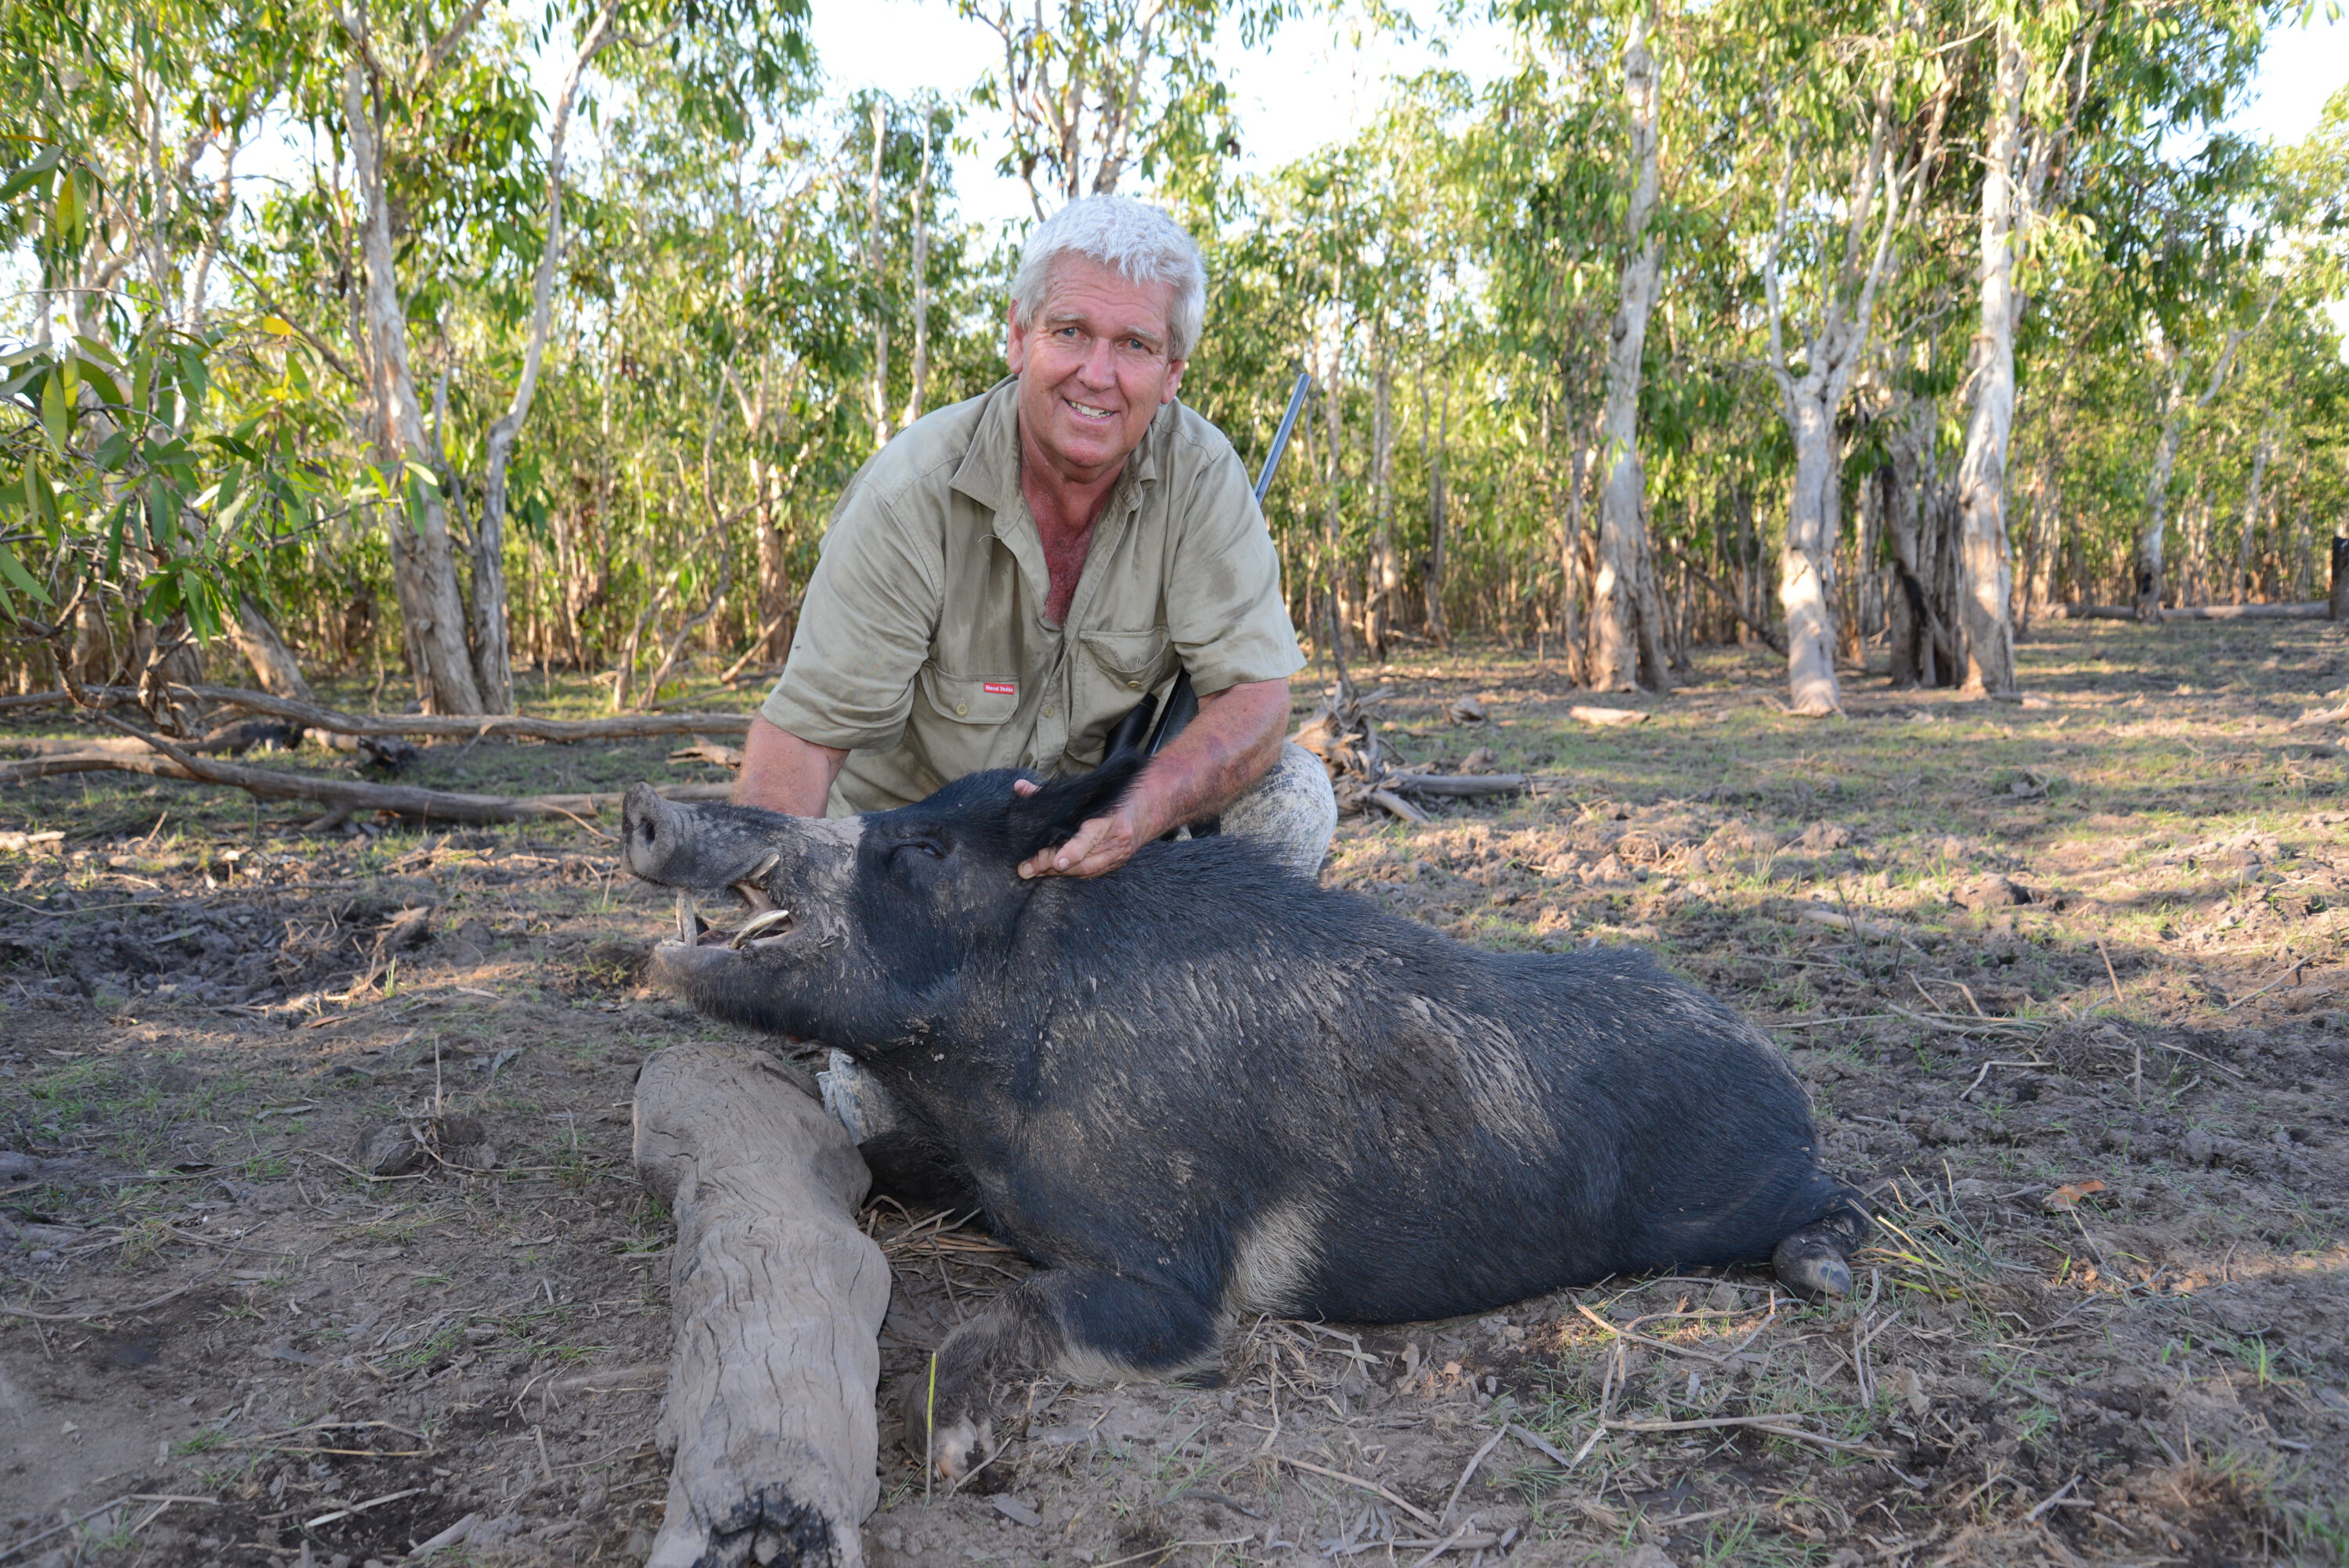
[769, 922]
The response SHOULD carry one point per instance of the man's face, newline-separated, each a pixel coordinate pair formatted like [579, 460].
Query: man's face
[1092, 366]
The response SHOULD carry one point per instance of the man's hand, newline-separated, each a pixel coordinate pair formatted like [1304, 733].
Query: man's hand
[1101, 844]
[1225, 749]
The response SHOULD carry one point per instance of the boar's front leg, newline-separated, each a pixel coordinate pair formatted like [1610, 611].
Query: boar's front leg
[1093, 1326]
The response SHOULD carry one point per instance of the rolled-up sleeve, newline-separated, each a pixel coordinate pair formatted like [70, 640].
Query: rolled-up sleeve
[1223, 605]
[865, 624]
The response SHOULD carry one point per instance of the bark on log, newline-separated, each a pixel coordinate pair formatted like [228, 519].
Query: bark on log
[778, 1295]
[2314, 610]
[1460, 786]
[348, 794]
[310, 716]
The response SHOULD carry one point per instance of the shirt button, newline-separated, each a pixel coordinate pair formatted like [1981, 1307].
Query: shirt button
[1134, 686]
[1050, 711]
[961, 708]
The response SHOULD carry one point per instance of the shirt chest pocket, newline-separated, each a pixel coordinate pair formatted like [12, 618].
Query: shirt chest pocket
[1127, 663]
[968, 699]
[1116, 670]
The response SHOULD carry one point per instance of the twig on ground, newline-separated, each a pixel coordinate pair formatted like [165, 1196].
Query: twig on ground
[1466, 1475]
[1354, 1480]
[167, 1500]
[1534, 1441]
[111, 1311]
[1755, 1423]
[359, 1508]
[1648, 1340]
[2053, 1500]
[2264, 990]
[1985, 1073]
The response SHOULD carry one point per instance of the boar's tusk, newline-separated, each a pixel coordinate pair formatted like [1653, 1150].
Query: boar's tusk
[754, 895]
[758, 923]
[689, 919]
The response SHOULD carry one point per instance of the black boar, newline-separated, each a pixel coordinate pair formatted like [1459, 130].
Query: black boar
[1198, 1086]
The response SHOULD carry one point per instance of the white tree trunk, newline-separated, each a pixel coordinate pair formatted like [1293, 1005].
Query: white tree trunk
[880, 397]
[1626, 619]
[919, 372]
[424, 569]
[1806, 564]
[492, 654]
[1988, 573]
[2150, 541]
[2165, 457]
[2241, 594]
[1385, 584]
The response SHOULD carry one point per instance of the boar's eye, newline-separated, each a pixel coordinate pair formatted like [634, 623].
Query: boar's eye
[918, 847]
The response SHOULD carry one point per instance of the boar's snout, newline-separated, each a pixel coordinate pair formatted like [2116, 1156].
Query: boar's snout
[653, 833]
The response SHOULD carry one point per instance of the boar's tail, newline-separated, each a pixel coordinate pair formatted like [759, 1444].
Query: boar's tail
[1815, 1259]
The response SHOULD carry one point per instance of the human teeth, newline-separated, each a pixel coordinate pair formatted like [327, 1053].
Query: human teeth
[1089, 411]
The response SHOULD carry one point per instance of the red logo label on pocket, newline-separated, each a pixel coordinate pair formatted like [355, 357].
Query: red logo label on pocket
[1000, 688]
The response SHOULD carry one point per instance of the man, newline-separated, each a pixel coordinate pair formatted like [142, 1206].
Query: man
[1011, 574]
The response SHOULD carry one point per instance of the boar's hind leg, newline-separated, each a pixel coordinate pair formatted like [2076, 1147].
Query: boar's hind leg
[1817, 1259]
[1094, 1327]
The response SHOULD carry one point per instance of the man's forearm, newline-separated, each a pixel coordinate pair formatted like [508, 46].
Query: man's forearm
[1221, 752]
[780, 772]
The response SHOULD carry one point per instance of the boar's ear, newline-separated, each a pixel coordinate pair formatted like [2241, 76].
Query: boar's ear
[1052, 815]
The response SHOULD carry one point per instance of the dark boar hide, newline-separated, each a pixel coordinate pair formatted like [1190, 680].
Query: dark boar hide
[1201, 1085]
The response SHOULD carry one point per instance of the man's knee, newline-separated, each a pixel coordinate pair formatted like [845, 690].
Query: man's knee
[1291, 809]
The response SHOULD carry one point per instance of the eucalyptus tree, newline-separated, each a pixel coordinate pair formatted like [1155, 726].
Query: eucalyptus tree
[154, 450]
[1541, 190]
[1626, 649]
[1854, 100]
[444, 140]
[1093, 89]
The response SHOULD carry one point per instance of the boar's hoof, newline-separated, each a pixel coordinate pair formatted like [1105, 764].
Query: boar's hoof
[1815, 1260]
[956, 1449]
[1810, 1266]
[952, 1446]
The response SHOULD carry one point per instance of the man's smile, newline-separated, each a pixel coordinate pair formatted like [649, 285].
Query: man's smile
[1088, 410]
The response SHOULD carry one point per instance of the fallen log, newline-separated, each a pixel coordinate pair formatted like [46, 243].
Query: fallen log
[769, 1421]
[1458, 786]
[311, 715]
[234, 738]
[1394, 805]
[346, 794]
[2314, 610]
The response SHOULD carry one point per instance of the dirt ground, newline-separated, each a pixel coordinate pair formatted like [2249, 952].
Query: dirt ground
[224, 1345]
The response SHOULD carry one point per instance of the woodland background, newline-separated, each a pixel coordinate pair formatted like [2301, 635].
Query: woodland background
[1872, 332]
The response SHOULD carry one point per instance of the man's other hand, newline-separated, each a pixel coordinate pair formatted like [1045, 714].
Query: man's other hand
[1101, 844]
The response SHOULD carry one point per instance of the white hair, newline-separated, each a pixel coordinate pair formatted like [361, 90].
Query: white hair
[1133, 238]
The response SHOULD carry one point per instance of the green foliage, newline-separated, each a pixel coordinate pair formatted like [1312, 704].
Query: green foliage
[192, 409]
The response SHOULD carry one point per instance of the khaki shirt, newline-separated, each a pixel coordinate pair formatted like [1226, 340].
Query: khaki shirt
[922, 647]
